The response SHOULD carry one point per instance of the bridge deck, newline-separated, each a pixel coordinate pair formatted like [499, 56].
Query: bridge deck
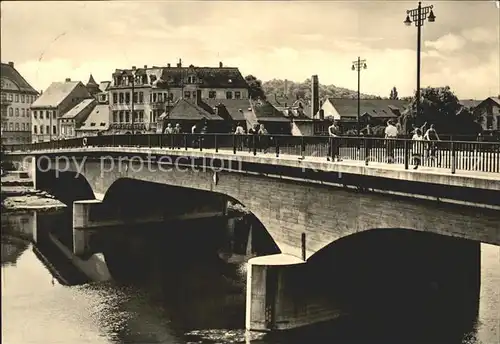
[475, 179]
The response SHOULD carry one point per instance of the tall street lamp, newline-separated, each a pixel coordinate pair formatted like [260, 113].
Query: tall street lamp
[357, 66]
[418, 16]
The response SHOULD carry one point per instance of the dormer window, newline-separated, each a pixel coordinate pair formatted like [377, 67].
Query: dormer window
[212, 94]
[191, 79]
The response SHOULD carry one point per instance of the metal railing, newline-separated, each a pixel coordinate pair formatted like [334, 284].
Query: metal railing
[451, 155]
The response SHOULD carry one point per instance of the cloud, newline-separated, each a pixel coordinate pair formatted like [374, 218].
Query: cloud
[447, 43]
[480, 35]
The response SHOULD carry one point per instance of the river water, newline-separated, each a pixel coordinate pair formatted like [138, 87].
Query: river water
[38, 307]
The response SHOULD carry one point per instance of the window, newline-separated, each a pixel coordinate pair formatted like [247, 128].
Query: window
[121, 98]
[103, 124]
[54, 114]
[115, 116]
[22, 98]
[489, 122]
[92, 124]
[229, 95]
[27, 112]
[127, 117]
[187, 94]
[212, 94]
[141, 97]
[23, 126]
[127, 97]
[135, 97]
[154, 97]
[121, 117]
[160, 97]
[48, 129]
[17, 126]
[34, 114]
[103, 98]
[141, 116]
[115, 98]
[17, 112]
[11, 112]
[171, 96]
[41, 114]
[194, 94]
[17, 98]
[54, 130]
[23, 112]
[34, 130]
[41, 129]
[191, 79]
[237, 95]
[11, 97]
[11, 126]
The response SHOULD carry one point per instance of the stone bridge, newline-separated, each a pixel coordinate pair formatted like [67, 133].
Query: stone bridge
[306, 206]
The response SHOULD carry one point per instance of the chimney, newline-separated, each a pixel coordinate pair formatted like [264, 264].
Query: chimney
[221, 65]
[180, 63]
[11, 64]
[168, 65]
[133, 67]
[314, 95]
[145, 66]
[198, 97]
[68, 79]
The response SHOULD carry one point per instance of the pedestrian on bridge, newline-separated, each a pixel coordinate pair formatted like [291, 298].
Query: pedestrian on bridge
[391, 133]
[334, 141]
[432, 137]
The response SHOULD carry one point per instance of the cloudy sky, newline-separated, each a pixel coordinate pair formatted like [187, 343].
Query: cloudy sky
[49, 41]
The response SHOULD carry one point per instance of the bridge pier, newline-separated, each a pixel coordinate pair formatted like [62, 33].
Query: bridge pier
[81, 225]
[281, 297]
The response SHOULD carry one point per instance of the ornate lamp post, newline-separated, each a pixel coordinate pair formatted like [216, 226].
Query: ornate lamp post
[357, 66]
[418, 16]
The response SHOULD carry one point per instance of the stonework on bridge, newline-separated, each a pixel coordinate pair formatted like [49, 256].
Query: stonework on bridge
[290, 207]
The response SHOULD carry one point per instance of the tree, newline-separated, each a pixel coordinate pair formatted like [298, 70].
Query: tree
[440, 106]
[255, 87]
[394, 93]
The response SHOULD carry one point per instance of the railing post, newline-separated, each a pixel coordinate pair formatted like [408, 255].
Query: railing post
[200, 141]
[186, 141]
[149, 140]
[277, 144]
[130, 140]
[216, 144]
[405, 152]
[234, 144]
[254, 144]
[302, 147]
[453, 162]
[160, 140]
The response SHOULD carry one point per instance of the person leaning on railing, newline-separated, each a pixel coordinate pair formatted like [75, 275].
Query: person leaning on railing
[432, 148]
[239, 132]
[333, 141]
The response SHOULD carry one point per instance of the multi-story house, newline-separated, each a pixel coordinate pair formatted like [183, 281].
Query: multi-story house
[16, 98]
[150, 92]
[57, 99]
[489, 110]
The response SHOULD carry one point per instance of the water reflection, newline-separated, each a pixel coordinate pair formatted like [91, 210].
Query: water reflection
[202, 300]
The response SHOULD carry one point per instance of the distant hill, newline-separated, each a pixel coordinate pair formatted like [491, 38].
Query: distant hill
[303, 90]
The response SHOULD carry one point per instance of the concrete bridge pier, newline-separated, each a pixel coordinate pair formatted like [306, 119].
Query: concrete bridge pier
[279, 296]
[81, 226]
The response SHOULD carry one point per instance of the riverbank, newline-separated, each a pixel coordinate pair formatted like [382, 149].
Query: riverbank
[18, 194]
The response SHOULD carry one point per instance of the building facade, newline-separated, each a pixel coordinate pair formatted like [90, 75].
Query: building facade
[17, 95]
[150, 92]
[57, 99]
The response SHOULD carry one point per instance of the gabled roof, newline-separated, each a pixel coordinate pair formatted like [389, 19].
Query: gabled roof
[379, 108]
[235, 108]
[98, 119]
[208, 77]
[495, 100]
[265, 111]
[9, 72]
[188, 110]
[470, 103]
[78, 108]
[103, 85]
[55, 94]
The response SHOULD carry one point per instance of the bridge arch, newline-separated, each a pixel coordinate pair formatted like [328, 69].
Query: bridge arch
[66, 186]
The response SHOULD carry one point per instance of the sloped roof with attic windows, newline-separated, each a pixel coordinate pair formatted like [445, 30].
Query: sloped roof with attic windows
[8, 71]
[97, 120]
[235, 108]
[265, 111]
[205, 77]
